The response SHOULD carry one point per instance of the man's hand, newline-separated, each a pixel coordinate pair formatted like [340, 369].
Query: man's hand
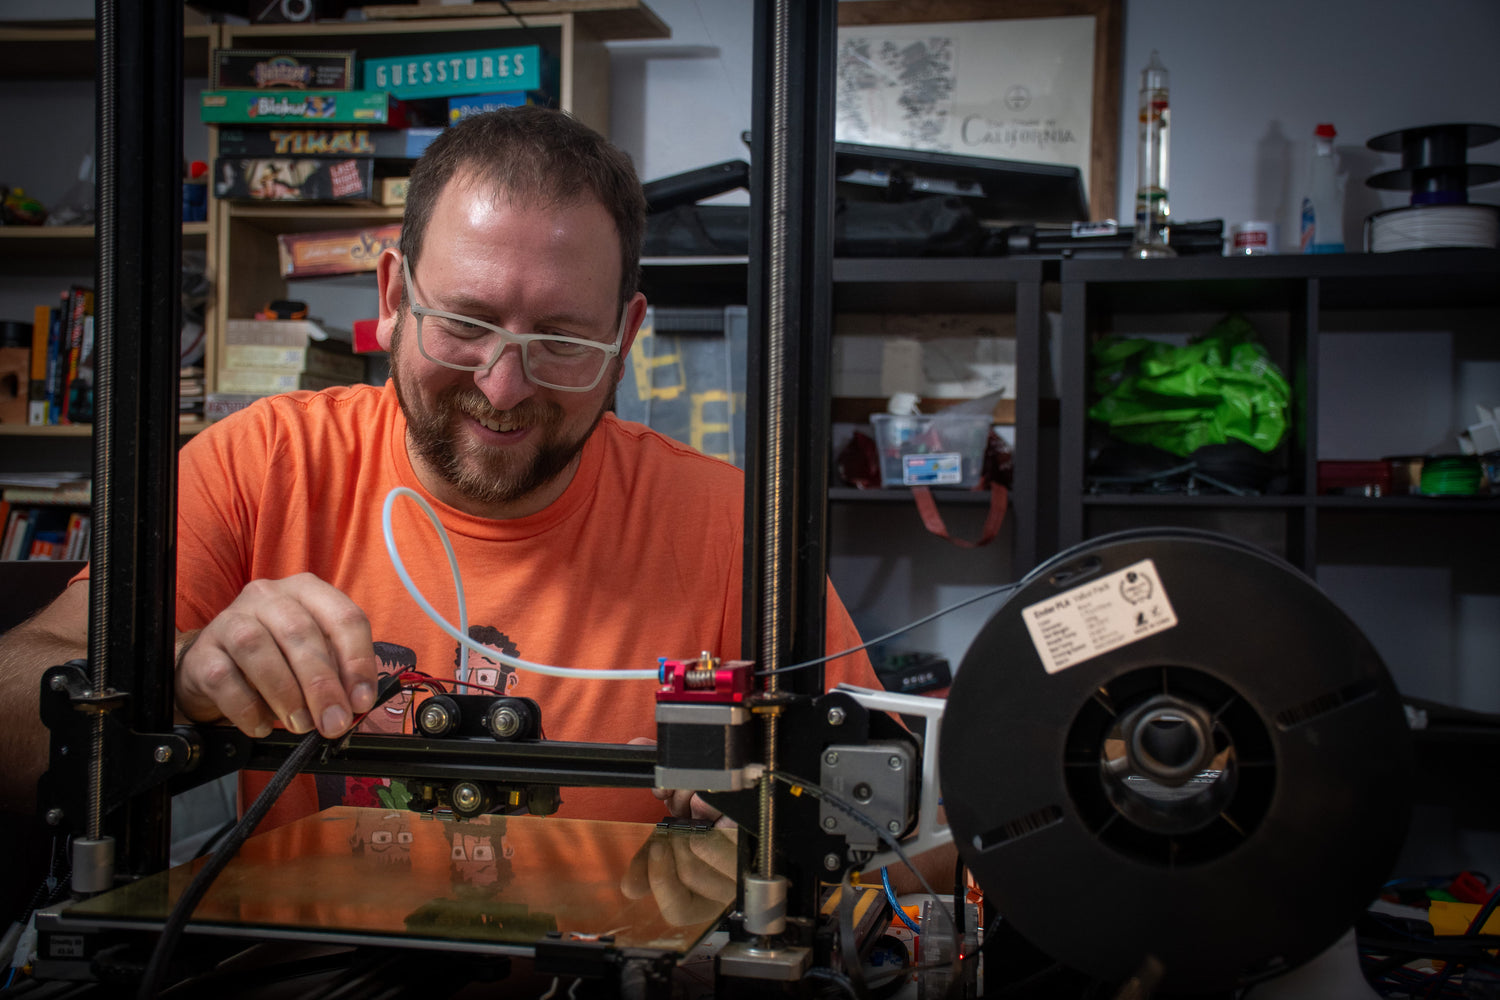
[691, 875]
[685, 803]
[297, 651]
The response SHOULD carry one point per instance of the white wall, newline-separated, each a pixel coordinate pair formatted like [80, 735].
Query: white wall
[1249, 83]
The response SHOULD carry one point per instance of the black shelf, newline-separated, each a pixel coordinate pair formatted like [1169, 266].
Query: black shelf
[849, 494]
[1294, 301]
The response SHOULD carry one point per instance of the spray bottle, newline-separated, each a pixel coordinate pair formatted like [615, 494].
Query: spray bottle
[1323, 208]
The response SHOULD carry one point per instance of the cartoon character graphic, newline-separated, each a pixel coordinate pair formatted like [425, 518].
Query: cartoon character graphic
[383, 835]
[390, 717]
[490, 673]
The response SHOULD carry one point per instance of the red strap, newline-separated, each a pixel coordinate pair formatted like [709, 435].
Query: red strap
[927, 506]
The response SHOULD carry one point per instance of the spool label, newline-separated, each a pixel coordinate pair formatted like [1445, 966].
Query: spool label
[1104, 614]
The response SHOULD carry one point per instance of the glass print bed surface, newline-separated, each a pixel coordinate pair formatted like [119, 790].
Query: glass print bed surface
[496, 879]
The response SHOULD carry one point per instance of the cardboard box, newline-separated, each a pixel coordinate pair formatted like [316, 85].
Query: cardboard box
[444, 74]
[396, 143]
[393, 190]
[344, 251]
[245, 107]
[232, 69]
[460, 108]
[295, 178]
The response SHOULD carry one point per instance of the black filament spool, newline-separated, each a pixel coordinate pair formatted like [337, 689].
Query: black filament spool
[1434, 162]
[1250, 869]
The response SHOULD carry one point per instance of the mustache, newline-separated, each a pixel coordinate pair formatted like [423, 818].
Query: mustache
[472, 403]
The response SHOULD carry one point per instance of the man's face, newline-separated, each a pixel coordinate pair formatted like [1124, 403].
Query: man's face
[493, 443]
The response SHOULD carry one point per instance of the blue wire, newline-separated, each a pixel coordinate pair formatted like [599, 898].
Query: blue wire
[885, 878]
[10, 978]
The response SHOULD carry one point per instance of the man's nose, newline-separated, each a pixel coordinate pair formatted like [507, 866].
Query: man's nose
[505, 384]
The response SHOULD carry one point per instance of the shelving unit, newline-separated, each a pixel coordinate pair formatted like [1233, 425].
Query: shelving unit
[1385, 353]
[573, 33]
[62, 53]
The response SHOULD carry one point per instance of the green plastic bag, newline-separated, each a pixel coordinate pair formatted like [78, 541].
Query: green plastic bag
[1221, 387]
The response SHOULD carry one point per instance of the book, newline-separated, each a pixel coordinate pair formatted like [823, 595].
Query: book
[55, 359]
[393, 144]
[73, 493]
[80, 304]
[36, 412]
[323, 358]
[280, 332]
[270, 380]
[218, 405]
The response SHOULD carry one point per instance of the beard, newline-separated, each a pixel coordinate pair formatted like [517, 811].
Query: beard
[479, 474]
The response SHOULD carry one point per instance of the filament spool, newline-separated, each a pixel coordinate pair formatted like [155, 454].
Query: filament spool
[1435, 169]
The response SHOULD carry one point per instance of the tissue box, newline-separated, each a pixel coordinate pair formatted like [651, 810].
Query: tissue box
[940, 449]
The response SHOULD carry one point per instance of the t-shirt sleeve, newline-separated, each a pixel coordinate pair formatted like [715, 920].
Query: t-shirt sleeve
[219, 477]
[852, 669]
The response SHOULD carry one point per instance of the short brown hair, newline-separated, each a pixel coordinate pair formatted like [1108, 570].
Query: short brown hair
[537, 156]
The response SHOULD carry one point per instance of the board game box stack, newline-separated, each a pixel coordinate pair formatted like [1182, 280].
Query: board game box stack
[263, 357]
[293, 128]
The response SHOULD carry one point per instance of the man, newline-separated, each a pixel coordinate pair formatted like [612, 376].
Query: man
[507, 311]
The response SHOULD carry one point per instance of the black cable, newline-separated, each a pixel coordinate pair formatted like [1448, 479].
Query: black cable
[161, 955]
[1005, 589]
[853, 961]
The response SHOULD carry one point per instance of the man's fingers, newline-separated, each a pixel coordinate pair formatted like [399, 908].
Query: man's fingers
[673, 898]
[297, 650]
[347, 633]
[719, 850]
[697, 874]
[211, 687]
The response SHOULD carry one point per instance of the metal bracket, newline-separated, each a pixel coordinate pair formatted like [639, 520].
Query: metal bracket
[930, 832]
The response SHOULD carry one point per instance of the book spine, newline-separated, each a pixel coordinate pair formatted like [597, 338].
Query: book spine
[80, 302]
[54, 361]
[36, 396]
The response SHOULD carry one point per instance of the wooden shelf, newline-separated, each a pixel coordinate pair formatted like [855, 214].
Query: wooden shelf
[31, 243]
[64, 50]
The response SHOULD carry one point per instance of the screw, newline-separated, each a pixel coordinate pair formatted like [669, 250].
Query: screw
[831, 758]
[895, 763]
[54, 816]
[829, 822]
[465, 796]
[62, 751]
[229, 750]
[894, 826]
[831, 862]
[835, 716]
[163, 754]
[58, 682]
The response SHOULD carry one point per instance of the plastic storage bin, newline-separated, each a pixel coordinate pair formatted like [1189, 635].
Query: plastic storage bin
[935, 449]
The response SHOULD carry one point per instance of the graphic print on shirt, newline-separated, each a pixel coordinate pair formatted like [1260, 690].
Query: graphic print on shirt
[486, 675]
[491, 676]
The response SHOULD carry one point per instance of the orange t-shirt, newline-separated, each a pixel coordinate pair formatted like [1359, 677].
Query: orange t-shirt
[639, 558]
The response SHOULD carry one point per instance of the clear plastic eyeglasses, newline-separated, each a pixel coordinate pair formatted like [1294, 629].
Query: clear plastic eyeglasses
[571, 364]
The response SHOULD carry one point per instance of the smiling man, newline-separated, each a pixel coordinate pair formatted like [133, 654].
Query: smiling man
[585, 541]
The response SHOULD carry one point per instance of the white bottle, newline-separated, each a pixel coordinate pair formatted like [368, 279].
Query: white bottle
[1323, 208]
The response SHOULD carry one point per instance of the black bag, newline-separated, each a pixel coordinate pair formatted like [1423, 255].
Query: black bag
[936, 226]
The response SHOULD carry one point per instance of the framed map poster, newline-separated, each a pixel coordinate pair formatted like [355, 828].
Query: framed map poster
[1029, 80]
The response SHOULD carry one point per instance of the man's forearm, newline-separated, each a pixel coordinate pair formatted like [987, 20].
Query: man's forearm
[56, 635]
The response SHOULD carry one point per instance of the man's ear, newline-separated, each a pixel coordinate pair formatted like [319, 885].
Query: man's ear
[636, 313]
[388, 280]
